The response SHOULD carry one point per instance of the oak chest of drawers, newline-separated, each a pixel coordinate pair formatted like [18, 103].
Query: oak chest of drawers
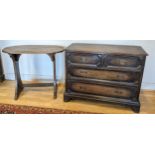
[108, 73]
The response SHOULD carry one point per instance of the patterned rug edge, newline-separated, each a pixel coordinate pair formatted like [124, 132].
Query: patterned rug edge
[22, 109]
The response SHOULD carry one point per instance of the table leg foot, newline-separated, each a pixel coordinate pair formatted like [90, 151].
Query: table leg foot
[2, 78]
[17, 92]
[55, 90]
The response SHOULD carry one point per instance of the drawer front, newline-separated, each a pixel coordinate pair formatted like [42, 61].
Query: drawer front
[122, 61]
[84, 59]
[105, 75]
[109, 91]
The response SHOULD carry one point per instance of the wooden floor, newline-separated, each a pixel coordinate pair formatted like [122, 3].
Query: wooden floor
[43, 97]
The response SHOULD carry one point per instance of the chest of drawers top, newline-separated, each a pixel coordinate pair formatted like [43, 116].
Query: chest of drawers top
[109, 49]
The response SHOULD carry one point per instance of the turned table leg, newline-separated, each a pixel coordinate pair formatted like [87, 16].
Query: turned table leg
[52, 56]
[19, 85]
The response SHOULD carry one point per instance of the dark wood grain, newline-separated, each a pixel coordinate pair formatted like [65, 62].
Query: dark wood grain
[111, 73]
[84, 59]
[102, 48]
[33, 49]
[105, 75]
[102, 90]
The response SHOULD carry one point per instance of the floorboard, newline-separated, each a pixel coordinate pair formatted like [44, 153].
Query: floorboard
[43, 98]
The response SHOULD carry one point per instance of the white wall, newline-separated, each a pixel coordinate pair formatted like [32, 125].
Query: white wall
[40, 67]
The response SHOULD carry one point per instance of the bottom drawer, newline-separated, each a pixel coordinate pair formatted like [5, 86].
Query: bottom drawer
[109, 91]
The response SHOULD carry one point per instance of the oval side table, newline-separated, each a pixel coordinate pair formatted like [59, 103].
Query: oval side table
[16, 51]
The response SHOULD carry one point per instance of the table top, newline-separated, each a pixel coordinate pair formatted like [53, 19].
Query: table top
[104, 48]
[33, 49]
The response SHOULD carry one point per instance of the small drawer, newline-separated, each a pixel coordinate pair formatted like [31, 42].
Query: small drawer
[103, 90]
[84, 59]
[114, 61]
[105, 75]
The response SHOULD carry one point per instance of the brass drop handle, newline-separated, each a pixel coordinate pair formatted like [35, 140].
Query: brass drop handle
[83, 72]
[118, 76]
[118, 92]
[82, 88]
[83, 59]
